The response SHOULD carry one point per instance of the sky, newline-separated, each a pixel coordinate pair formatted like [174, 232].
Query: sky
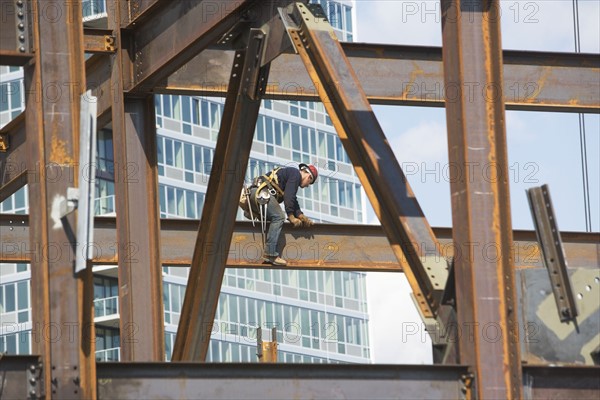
[544, 148]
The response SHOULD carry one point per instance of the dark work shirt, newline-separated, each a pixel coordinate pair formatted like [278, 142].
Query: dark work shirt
[289, 179]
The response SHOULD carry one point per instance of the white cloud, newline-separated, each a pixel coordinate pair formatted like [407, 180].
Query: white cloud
[424, 143]
[397, 334]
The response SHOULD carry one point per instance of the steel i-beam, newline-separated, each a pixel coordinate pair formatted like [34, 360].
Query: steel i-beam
[61, 302]
[136, 193]
[481, 217]
[222, 195]
[408, 231]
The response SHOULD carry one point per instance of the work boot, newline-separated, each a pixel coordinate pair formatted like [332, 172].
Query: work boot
[275, 260]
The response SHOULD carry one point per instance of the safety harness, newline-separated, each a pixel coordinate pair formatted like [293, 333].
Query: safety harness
[266, 185]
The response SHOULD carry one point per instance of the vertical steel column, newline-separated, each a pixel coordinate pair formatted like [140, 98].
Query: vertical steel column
[391, 196]
[246, 87]
[136, 192]
[61, 302]
[486, 302]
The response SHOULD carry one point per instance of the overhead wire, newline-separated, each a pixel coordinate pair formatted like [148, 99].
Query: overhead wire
[582, 133]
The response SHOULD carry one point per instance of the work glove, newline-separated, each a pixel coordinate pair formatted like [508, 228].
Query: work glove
[296, 223]
[306, 222]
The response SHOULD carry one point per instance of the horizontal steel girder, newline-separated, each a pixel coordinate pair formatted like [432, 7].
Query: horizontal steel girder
[326, 247]
[278, 381]
[412, 75]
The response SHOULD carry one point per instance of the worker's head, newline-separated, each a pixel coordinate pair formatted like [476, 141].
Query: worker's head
[308, 173]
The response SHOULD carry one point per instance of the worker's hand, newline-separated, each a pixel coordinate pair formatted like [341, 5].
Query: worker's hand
[296, 223]
[306, 222]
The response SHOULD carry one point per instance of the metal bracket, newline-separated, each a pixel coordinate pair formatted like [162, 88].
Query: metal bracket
[109, 43]
[266, 351]
[551, 247]
[68, 205]
[4, 142]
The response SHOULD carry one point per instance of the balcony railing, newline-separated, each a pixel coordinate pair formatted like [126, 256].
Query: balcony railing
[93, 8]
[106, 306]
[113, 354]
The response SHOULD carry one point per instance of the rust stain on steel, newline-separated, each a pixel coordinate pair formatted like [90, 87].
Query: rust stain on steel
[59, 153]
[547, 71]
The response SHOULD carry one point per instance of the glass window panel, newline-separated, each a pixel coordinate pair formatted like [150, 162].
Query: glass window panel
[269, 130]
[186, 114]
[159, 150]
[9, 292]
[191, 204]
[330, 146]
[15, 94]
[171, 200]
[214, 115]
[188, 157]
[313, 142]
[296, 137]
[278, 134]
[167, 105]
[178, 154]
[286, 134]
[260, 128]
[22, 295]
[11, 344]
[204, 112]
[169, 151]
[196, 111]
[4, 97]
[305, 147]
[197, 159]
[176, 106]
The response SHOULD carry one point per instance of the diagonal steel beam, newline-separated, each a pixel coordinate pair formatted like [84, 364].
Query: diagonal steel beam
[14, 163]
[485, 288]
[218, 216]
[413, 75]
[136, 192]
[59, 298]
[137, 11]
[395, 205]
[165, 41]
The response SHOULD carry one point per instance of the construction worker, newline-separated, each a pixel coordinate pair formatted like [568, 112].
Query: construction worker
[267, 192]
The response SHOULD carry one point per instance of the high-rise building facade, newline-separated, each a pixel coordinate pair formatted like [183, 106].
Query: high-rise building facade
[320, 316]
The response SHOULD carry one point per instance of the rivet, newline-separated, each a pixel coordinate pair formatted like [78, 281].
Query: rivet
[21, 26]
[22, 38]
[20, 14]
[20, 3]
[22, 49]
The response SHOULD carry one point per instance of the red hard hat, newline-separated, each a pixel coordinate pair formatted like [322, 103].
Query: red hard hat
[311, 169]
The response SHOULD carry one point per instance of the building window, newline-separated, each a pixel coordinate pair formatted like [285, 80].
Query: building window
[107, 344]
[106, 296]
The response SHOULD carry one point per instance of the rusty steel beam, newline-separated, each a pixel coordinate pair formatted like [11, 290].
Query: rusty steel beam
[413, 76]
[231, 381]
[485, 288]
[59, 298]
[15, 33]
[165, 41]
[395, 205]
[136, 193]
[222, 195]
[14, 163]
[137, 11]
[324, 246]
[98, 40]
[561, 382]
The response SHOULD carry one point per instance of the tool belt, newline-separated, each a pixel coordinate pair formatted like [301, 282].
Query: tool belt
[268, 183]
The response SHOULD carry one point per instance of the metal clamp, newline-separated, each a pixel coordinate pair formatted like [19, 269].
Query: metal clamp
[4, 142]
